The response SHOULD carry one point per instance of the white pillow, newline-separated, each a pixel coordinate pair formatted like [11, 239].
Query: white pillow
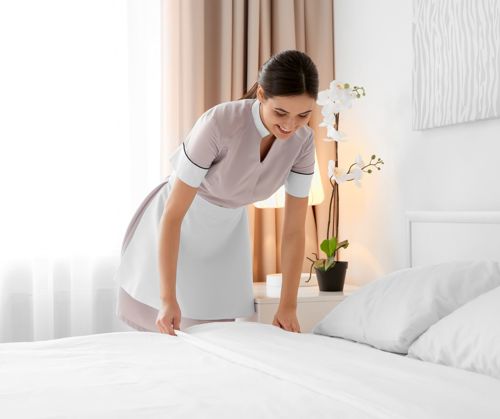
[468, 338]
[391, 312]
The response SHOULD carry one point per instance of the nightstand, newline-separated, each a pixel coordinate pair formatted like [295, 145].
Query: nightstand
[312, 304]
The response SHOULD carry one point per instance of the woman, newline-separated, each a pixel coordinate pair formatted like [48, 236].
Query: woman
[186, 255]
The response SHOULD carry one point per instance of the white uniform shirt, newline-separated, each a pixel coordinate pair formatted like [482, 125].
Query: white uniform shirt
[221, 156]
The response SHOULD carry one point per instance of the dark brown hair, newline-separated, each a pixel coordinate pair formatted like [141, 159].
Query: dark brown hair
[288, 73]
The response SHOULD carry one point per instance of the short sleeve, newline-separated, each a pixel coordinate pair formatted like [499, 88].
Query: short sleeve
[195, 155]
[300, 177]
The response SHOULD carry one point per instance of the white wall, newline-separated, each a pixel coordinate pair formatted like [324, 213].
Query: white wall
[448, 168]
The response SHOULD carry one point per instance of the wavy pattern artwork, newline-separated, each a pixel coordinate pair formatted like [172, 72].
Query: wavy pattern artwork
[456, 61]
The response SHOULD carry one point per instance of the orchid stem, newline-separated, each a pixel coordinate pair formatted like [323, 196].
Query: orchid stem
[334, 185]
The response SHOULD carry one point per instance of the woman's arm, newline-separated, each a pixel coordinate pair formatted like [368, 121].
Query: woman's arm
[292, 257]
[178, 202]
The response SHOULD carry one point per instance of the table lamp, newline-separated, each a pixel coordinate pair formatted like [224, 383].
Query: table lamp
[277, 200]
[316, 194]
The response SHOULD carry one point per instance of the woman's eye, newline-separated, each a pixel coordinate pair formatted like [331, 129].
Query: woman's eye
[284, 114]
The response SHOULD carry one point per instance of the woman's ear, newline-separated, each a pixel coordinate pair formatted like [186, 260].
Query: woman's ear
[260, 94]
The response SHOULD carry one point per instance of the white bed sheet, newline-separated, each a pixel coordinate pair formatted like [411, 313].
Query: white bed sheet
[223, 370]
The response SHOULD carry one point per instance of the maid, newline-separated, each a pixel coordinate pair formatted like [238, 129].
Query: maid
[186, 255]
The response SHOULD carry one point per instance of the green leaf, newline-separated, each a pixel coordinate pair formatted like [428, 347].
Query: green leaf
[330, 263]
[329, 246]
[343, 244]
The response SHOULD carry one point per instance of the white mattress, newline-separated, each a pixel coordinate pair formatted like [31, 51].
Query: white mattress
[223, 370]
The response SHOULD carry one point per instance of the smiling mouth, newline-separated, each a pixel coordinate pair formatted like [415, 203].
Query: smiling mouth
[283, 131]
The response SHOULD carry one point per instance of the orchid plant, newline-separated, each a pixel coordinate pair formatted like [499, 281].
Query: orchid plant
[337, 98]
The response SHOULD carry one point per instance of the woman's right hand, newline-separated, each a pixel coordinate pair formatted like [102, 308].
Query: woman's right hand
[169, 317]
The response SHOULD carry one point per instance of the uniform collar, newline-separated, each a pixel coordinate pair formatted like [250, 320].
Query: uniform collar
[263, 131]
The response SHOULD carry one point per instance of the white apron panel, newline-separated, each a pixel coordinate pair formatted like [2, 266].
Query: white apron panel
[214, 267]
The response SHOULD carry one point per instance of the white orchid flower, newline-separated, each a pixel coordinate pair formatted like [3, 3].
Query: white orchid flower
[336, 88]
[335, 99]
[357, 174]
[344, 101]
[359, 161]
[334, 134]
[332, 107]
[328, 95]
[341, 176]
[328, 120]
[335, 85]
[328, 110]
[323, 97]
[337, 174]
[340, 95]
[339, 106]
[339, 87]
[331, 168]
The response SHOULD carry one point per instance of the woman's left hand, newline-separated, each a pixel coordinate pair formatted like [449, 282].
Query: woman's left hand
[287, 319]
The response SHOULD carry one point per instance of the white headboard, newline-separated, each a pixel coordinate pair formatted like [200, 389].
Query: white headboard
[436, 237]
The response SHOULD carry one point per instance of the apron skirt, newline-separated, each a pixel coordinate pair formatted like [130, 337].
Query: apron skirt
[214, 266]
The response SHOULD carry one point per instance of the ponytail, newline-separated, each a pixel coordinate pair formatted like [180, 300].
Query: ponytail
[252, 93]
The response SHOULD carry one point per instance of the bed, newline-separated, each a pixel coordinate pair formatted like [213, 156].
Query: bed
[238, 369]
[221, 370]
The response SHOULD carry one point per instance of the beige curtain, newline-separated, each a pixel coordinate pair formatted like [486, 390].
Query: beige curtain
[212, 51]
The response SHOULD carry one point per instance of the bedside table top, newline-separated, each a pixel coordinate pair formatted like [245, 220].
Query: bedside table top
[264, 294]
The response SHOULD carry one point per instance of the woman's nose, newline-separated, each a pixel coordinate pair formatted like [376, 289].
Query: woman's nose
[288, 124]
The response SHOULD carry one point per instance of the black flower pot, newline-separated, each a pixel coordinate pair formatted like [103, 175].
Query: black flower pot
[332, 279]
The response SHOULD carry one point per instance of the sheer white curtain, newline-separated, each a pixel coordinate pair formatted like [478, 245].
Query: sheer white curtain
[79, 149]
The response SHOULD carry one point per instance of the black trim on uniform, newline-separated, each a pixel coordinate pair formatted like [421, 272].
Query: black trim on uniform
[302, 173]
[201, 167]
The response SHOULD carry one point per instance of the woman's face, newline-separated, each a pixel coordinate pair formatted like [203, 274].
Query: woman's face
[283, 115]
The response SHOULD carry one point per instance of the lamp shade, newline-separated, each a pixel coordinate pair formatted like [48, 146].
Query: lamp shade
[316, 194]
